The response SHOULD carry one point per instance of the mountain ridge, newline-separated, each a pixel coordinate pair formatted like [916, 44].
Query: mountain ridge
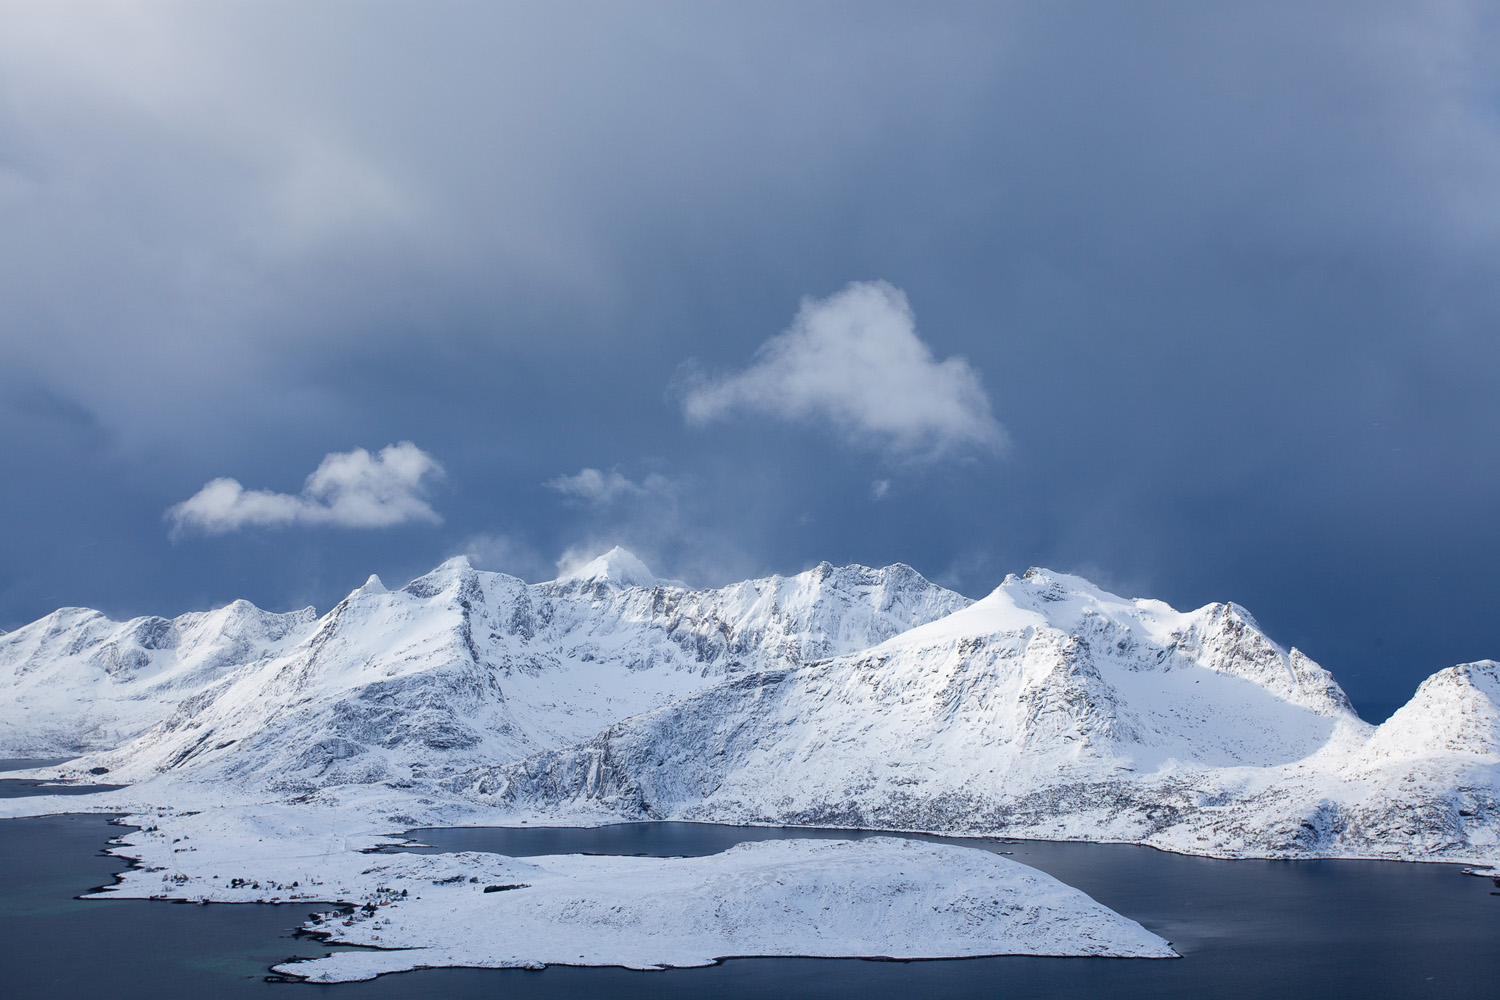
[840, 696]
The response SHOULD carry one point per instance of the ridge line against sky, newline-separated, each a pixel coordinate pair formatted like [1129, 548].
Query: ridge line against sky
[1196, 302]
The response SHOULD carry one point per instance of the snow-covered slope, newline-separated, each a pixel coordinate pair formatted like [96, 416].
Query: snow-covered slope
[840, 696]
[879, 897]
[266, 750]
[462, 668]
[1052, 709]
[1455, 711]
[76, 681]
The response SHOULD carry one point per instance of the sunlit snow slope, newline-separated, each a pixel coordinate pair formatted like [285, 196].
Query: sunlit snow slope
[843, 696]
[459, 668]
[1052, 709]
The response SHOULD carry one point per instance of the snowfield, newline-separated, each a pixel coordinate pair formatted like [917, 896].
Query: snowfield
[881, 897]
[845, 697]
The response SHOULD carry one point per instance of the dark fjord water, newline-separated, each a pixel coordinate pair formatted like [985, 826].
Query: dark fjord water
[18, 788]
[1245, 928]
[13, 788]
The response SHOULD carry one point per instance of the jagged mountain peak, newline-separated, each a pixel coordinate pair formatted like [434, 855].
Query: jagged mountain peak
[1230, 615]
[859, 573]
[618, 566]
[843, 695]
[371, 586]
[454, 572]
[1482, 675]
[1141, 635]
[81, 681]
[1042, 598]
[239, 614]
[474, 666]
[453, 567]
[1043, 581]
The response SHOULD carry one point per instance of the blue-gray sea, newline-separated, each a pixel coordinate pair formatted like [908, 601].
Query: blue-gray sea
[1244, 928]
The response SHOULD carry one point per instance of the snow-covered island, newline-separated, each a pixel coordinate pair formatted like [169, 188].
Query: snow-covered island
[262, 751]
[883, 897]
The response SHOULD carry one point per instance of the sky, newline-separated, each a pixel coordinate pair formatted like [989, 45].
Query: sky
[1196, 300]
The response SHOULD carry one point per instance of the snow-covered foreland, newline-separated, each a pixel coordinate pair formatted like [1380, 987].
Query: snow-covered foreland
[849, 697]
[879, 897]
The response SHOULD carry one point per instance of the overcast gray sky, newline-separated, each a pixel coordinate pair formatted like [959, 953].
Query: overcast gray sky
[1200, 302]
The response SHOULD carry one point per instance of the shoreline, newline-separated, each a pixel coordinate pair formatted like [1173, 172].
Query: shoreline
[1206, 955]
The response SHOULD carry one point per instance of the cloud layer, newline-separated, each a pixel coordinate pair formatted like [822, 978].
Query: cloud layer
[1225, 271]
[604, 488]
[854, 359]
[349, 489]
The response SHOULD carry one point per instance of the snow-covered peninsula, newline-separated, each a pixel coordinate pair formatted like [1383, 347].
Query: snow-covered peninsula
[851, 697]
[880, 897]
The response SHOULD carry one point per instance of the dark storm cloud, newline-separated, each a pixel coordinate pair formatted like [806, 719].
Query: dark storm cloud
[1227, 276]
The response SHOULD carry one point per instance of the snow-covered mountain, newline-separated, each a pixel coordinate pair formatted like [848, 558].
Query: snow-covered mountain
[457, 669]
[75, 681]
[840, 696]
[1052, 709]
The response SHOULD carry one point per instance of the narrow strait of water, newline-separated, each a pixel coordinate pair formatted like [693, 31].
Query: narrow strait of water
[1245, 928]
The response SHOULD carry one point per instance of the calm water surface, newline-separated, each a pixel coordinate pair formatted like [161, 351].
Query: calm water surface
[1245, 928]
[11, 788]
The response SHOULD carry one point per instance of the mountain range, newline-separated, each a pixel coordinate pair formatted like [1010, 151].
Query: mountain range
[841, 696]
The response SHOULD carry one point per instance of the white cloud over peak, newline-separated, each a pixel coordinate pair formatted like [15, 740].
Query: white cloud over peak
[854, 359]
[349, 489]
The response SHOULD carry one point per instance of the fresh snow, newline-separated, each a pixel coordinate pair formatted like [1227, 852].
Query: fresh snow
[842, 696]
[882, 897]
[456, 669]
[1052, 710]
[878, 897]
[616, 566]
[76, 681]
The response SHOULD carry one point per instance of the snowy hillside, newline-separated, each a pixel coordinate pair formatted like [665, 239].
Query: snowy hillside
[879, 897]
[1051, 709]
[840, 696]
[1455, 711]
[76, 681]
[458, 668]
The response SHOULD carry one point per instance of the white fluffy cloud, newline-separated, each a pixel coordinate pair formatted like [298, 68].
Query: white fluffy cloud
[349, 489]
[854, 360]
